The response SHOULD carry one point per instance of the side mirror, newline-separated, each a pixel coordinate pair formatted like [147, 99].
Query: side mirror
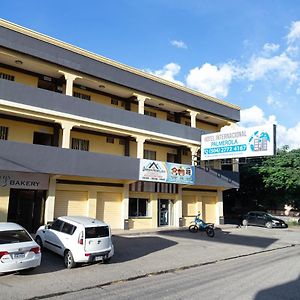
[48, 225]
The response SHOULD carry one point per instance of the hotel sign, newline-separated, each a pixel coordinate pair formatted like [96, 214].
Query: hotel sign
[158, 171]
[27, 181]
[245, 142]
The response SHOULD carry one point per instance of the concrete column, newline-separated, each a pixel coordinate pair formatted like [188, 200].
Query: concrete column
[125, 205]
[4, 202]
[141, 101]
[50, 201]
[92, 203]
[66, 127]
[219, 207]
[140, 146]
[178, 207]
[69, 81]
[235, 165]
[193, 115]
[154, 206]
[194, 151]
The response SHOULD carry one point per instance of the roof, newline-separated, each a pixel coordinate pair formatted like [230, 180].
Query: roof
[85, 221]
[169, 92]
[4, 226]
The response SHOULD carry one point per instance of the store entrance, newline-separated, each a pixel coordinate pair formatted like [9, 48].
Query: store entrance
[26, 207]
[164, 212]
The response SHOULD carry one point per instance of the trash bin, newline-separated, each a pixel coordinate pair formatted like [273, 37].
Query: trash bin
[180, 222]
[126, 224]
[221, 220]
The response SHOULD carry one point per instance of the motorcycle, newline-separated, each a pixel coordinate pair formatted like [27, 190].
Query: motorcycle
[199, 225]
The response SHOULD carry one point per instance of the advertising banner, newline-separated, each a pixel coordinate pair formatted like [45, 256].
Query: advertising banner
[243, 142]
[158, 171]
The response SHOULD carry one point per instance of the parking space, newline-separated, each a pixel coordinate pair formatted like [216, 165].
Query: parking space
[139, 254]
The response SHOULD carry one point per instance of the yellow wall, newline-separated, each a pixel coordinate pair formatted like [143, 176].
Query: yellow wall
[209, 205]
[98, 144]
[20, 77]
[23, 132]
[4, 201]
[205, 126]
[161, 152]
[159, 114]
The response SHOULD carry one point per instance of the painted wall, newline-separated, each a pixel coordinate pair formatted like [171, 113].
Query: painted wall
[21, 78]
[4, 201]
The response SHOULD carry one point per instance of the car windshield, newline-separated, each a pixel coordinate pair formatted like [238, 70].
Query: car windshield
[14, 236]
[269, 215]
[96, 232]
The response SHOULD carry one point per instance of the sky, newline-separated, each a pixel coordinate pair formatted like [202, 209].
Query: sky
[244, 52]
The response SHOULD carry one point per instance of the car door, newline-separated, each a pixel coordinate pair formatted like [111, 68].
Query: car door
[65, 237]
[252, 218]
[260, 218]
[52, 236]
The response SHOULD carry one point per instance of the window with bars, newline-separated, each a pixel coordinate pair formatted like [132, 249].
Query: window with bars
[121, 141]
[3, 132]
[138, 207]
[82, 96]
[114, 101]
[150, 113]
[110, 140]
[7, 76]
[80, 144]
[149, 154]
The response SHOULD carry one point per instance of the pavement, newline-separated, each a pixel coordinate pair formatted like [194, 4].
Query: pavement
[143, 253]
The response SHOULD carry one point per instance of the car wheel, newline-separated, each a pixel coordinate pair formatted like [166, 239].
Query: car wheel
[39, 241]
[69, 260]
[245, 223]
[269, 225]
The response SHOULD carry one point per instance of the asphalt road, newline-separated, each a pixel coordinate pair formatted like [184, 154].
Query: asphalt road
[203, 264]
[267, 276]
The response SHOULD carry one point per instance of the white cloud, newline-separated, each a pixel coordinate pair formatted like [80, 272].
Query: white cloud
[249, 88]
[168, 72]
[281, 65]
[255, 116]
[179, 44]
[210, 79]
[274, 102]
[269, 48]
[294, 33]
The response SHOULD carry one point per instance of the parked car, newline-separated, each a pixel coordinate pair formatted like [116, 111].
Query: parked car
[18, 250]
[261, 218]
[77, 239]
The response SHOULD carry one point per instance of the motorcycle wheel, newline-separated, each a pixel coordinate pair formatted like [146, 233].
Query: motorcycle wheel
[210, 232]
[193, 228]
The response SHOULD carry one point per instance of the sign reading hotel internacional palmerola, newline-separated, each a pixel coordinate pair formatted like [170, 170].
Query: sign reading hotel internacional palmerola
[243, 142]
[159, 171]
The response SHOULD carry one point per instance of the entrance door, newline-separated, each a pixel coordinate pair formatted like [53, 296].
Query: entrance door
[163, 212]
[26, 207]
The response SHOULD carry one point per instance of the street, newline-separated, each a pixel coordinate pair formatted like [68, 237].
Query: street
[236, 262]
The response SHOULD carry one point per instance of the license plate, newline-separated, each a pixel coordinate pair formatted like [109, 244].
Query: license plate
[98, 258]
[19, 255]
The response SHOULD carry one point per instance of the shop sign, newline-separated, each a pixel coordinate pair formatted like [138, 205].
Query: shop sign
[245, 142]
[27, 181]
[158, 171]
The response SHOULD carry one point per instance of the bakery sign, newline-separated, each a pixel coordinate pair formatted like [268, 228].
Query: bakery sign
[159, 171]
[27, 181]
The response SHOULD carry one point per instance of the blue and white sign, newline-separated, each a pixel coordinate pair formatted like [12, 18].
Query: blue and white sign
[246, 142]
[159, 171]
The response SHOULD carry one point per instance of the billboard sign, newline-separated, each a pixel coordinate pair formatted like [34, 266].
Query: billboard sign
[241, 142]
[159, 171]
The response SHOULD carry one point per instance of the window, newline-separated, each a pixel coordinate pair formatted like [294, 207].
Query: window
[81, 96]
[56, 225]
[149, 113]
[96, 232]
[110, 140]
[114, 101]
[68, 228]
[187, 123]
[185, 152]
[14, 236]
[79, 144]
[138, 207]
[3, 132]
[171, 157]
[170, 117]
[121, 141]
[7, 77]
[149, 154]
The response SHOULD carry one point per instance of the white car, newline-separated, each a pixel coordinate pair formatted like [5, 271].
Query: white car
[77, 239]
[18, 251]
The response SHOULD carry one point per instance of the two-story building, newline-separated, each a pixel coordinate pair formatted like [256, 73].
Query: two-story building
[75, 125]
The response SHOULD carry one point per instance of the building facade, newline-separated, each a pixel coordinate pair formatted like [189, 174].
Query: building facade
[75, 125]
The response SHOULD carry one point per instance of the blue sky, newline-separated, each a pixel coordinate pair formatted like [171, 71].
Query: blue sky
[245, 52]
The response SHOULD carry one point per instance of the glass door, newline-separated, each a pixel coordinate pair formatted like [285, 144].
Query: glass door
[163, 212]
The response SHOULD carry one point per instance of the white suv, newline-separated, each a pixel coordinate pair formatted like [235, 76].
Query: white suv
[77, 239]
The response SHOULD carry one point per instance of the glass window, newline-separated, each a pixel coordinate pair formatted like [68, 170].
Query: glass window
[138, 207]
[68, 228]
[96, 232]
[110, 140]
[56, 225]
[114, 101]
[150, 113]
[14, 236]
[149, 154]
[3, 132]
[79, 144]
[81, 96]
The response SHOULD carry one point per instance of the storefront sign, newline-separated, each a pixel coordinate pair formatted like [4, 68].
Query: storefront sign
[246, 142]
[158, 171]
[20, 180]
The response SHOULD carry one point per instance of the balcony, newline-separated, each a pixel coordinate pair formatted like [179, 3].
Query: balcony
[20, 157]
[73, 108]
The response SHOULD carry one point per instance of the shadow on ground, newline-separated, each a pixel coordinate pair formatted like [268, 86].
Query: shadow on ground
[225, 237]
